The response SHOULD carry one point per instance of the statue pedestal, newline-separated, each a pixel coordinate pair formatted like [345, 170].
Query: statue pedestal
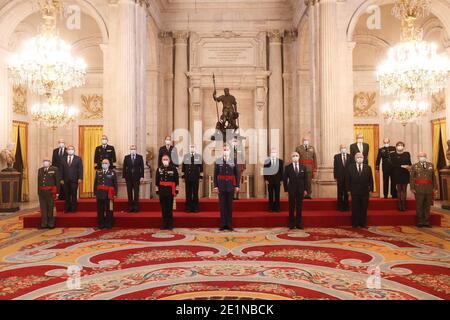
[445, 177]
[9, 191]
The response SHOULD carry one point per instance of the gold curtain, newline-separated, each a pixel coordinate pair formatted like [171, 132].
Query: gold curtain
[438, 128]
[20, 130]
[90, 137]
[370, 133]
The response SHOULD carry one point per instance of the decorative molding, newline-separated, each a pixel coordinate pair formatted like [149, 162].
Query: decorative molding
[181, 36]
[364, 104]
[20, 100]
[438, 102]
[275, 35]
[92, 106]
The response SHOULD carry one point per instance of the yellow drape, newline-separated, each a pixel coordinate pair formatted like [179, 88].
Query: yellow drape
[20, 130]
[368, 131]
[90, 137]
[438, 127]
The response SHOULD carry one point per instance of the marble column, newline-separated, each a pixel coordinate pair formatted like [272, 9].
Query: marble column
[181, 95]
[275, 108]
[447, 104]
[261, 137]
[324, 185]
[5, 100]
[289, 88]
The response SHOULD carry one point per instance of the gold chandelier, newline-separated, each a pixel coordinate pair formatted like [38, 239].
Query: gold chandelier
[405, 110]
[46, 64]
[54, 113]
[413, 68]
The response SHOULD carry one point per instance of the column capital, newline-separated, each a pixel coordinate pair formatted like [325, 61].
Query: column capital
[163, 35]
[290, 35]
[180, 37]
[275, 35]
[311, 2]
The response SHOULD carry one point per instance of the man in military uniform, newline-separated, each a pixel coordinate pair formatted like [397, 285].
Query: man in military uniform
[384, 154]
[239, 160]
[169, 150]
[307, 155]
[105, 188]
[192, 169]
[48, 188]
[104, 151]
[423, 184]
[167, 183]
[226, 182]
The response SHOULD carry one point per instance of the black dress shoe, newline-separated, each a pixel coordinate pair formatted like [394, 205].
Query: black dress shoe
[222, 229]
[427, 226]
[51, 227]
[299, 227]
[365, 227]
[230, 229]
[291, 227]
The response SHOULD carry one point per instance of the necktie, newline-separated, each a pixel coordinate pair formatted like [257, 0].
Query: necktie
[296, 168]
[359, 169]
[192, 158]
[61, 152]
[132, 157]
[70, 160]
[104, 172]
[423, 165]
[343, 159]
[46, 170]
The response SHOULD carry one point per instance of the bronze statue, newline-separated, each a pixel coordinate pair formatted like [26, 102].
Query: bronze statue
[229, 120]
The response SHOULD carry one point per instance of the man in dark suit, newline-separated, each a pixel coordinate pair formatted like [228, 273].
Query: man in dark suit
[104, 151]
[192, 169]
[359, 146]
[169, 150]
[57, 159]
[359, 183]
[226, 182]
[273, 176]
[71, 177]
[48, 188]
[133, 173]
[105, 188]
[295, 182]
[340, 167]
[384, 154]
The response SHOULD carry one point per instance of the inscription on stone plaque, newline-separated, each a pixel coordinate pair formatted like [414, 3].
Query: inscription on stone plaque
[232, 54]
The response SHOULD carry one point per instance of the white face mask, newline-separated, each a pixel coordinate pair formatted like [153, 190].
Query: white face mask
[359, 160]
[168, 142]
[386, 145]
[46, 164]
[133, 151]
[344, 150]
[306, 142]
[70, 152]
[295, 159]
[192, 150]
[400, 148]
[165, 163]
[273, 155]
[105, 166]
[360, 140]
[61, 145]
[104, 141]
[423, 159]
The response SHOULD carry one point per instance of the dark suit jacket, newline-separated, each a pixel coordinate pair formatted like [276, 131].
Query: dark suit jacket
[74, 172]
[339, 169]
[274, 175]
[133, 171]
[295, 183]
[57, 159]
[172, 153]
[192, 171]
[359, 184]
[354, 150]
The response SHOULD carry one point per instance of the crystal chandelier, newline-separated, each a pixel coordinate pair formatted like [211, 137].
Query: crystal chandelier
[54, 113]
[405, 110]
[413, 67]
[46, 65]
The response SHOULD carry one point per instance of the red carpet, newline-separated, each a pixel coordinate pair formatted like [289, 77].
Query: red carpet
[247, 213]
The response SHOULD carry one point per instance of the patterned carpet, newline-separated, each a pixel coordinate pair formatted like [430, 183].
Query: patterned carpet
[315, 263]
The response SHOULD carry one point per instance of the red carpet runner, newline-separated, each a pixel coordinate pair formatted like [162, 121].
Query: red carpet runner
[247, 213]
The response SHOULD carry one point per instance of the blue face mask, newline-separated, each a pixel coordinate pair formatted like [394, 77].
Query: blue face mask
[105, 166]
